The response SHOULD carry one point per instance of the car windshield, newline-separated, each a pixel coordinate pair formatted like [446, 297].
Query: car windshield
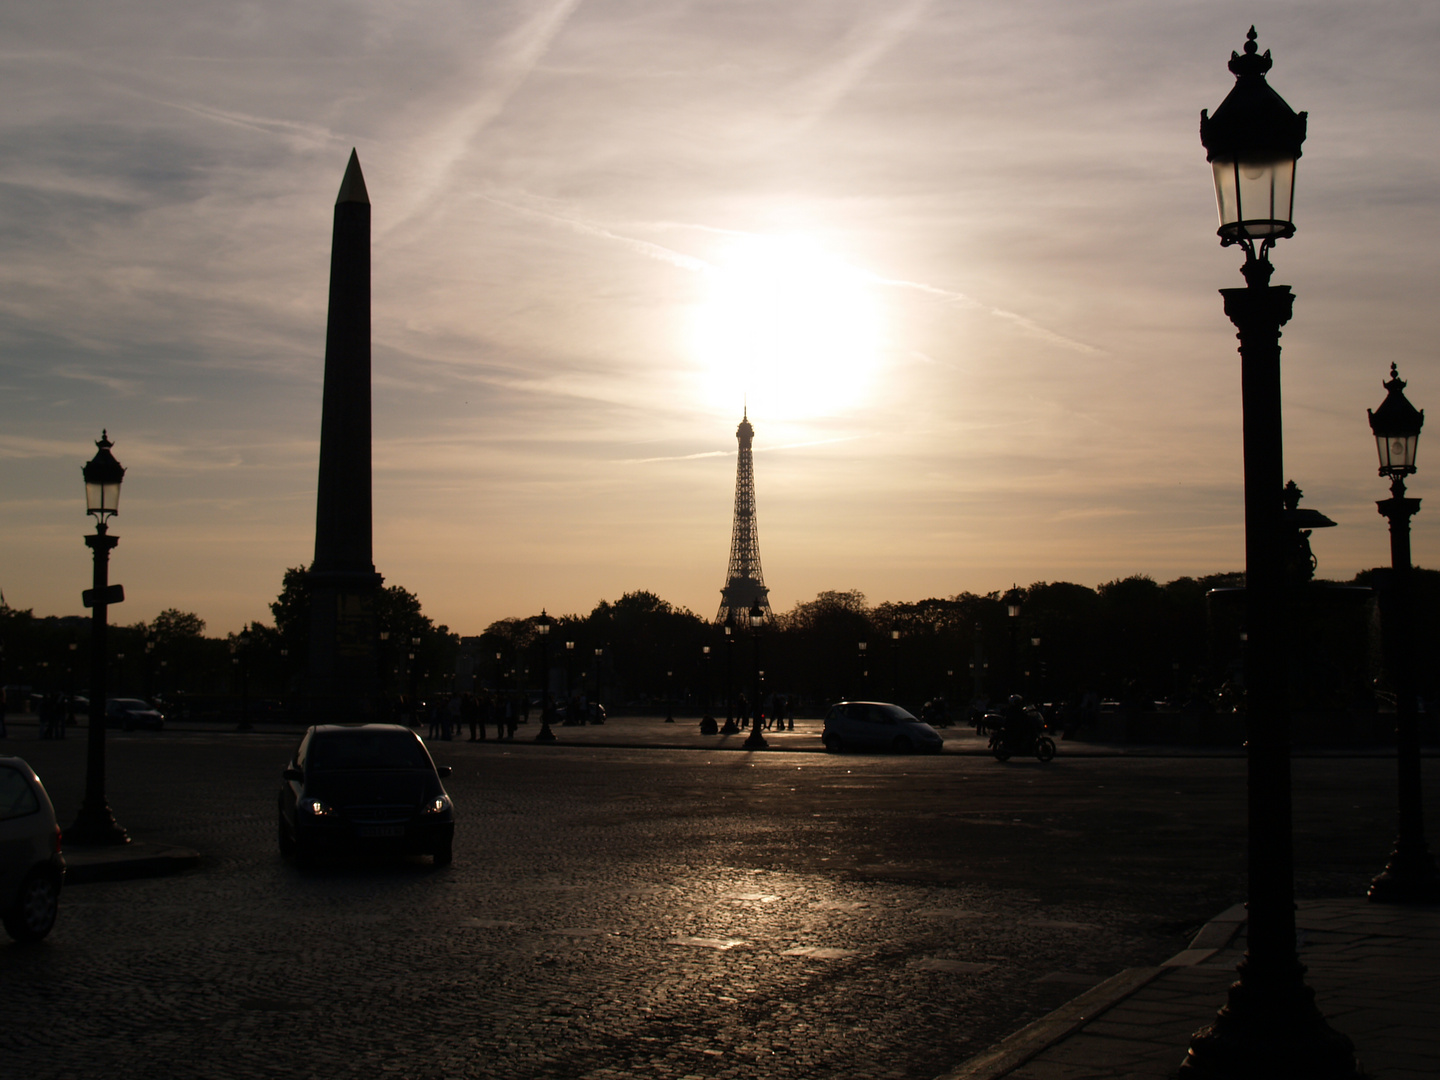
[128, 703]
[362, 749]
[895, 712]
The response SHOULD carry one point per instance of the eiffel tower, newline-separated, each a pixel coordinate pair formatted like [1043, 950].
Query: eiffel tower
[744, 584]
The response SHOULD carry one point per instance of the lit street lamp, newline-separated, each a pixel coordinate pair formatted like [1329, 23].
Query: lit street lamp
[756, 741]
[862, 645]
[669, 698]
[95, 824]
[1270, 1025]
[1410, 874]
[545, 735]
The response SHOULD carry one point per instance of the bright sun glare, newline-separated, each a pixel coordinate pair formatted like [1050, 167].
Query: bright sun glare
[789, 327]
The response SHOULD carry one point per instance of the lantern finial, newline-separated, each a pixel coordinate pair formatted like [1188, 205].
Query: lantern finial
[1394, 382]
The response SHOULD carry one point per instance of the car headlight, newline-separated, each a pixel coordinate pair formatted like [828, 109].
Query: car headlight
[438, 805]
[314, 806]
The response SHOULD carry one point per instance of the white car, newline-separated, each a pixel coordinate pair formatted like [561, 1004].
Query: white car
[877, 725]
[31, 866]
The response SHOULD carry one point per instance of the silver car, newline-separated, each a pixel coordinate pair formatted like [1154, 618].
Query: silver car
[877, 725]
[31, 866]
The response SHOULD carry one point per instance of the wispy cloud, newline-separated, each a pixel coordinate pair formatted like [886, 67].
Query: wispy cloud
[731, 453]
[443, 147]
[588, 228]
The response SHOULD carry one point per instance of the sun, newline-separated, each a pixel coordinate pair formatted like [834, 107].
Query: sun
[788, 327]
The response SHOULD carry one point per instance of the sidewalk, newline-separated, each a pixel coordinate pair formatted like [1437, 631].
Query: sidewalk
[136, 859]
[652, 732]
[1375, 970]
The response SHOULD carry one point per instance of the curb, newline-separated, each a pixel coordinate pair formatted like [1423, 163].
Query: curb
[137, 859]
[1039, 1035]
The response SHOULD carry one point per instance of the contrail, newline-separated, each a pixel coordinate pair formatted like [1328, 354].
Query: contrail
[525, 48]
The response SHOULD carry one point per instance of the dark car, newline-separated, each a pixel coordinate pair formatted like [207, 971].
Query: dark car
[371, 787]
[132, 713]
[31, 866]
[877, 725]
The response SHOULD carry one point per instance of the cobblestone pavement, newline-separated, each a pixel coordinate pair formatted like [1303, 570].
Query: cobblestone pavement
[640, 913]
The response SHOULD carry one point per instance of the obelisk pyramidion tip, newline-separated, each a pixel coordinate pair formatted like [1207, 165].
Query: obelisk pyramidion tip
[352, 188]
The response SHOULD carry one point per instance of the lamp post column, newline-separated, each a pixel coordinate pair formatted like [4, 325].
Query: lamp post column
[1269, 1025]
[596, 700]
[730, 727]
[756, 741]
[1410, 873]
[546, 734]
[95, 824]
[705, 652]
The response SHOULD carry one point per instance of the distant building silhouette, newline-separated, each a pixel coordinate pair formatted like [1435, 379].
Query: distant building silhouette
[744, 583]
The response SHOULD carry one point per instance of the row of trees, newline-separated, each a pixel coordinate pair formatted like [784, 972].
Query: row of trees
[1132, 638]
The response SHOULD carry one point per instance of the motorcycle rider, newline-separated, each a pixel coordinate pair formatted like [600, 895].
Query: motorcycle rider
[1020, 729]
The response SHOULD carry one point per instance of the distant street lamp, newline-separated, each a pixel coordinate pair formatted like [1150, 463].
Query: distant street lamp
[1409, 877]
[546, 735]
[569, 655]
[68, 718]
[756, 741]
[95, 824]
[1012, 613]
[861, 646]
[1270, 1025]
[598, 654]
[705, 652]
[895, 665]
[1035, 645]
[243, 659]
[669, 698]
[730, 728]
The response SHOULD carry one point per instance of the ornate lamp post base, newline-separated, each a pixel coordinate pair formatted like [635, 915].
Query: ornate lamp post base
[756, 741]
[1268, 1032]
[1408, 878]
[95, 826]
[545, 734]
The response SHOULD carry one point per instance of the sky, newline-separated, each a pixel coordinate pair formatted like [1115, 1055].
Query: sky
[957, 259]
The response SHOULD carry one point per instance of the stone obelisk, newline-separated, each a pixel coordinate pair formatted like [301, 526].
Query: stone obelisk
[342, 683]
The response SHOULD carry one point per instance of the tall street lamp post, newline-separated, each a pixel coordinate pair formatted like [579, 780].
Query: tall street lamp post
[705, 652]
[861, 646]
[1409, 876]
[756, 741]
[730, 728]
[569, 654]
[1012, 616]
[242, 658]
[669, 697]
[95, 824]
[1269, 1025]
[895, 665]
[546, 734]
[598, 654]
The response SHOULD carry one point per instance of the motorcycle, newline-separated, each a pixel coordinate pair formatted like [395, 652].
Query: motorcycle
[1004, 744]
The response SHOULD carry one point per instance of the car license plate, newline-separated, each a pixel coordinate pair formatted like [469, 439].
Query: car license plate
[370, 831]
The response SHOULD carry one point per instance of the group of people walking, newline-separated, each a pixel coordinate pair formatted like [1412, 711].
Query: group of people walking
[448, 715]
